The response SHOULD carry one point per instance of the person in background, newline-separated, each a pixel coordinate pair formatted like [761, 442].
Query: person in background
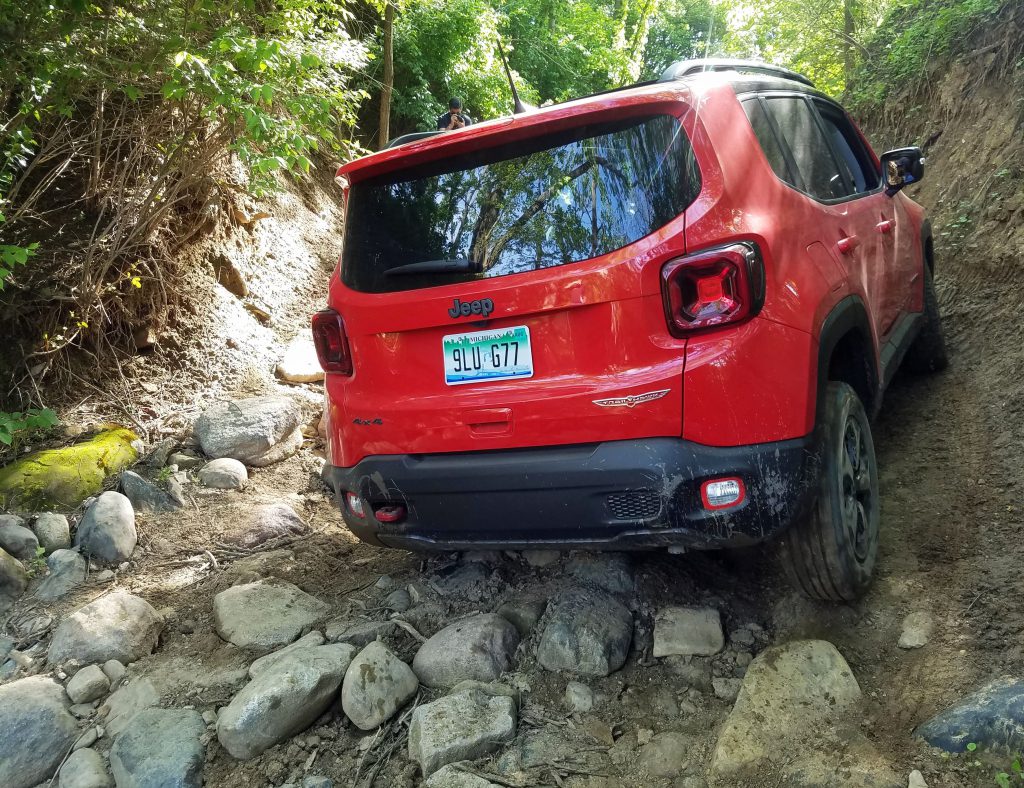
[454, 118]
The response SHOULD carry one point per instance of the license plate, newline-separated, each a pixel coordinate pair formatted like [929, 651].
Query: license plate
[482, 356]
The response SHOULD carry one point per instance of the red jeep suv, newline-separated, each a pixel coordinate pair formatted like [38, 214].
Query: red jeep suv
[657, 317]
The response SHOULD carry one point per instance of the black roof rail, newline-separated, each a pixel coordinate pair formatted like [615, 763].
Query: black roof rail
[416, 135]
[685, 68]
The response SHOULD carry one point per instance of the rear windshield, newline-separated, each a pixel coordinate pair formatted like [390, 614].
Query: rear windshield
[518, 207]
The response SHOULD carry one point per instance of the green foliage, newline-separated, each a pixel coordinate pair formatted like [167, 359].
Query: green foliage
[16, 428]
[913, 34]
[37, 564]
[11, 255]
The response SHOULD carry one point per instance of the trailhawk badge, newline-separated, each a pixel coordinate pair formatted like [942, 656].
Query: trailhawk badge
[632, 400]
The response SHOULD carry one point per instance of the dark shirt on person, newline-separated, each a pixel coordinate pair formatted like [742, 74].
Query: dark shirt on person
[446, 118]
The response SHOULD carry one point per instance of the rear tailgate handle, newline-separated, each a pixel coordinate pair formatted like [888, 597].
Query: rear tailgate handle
[488, 421]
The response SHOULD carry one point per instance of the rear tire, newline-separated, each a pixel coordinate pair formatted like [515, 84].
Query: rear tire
[831, 554]
[928, 353]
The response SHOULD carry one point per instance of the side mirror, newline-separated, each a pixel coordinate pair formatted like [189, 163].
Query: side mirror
[901, 167]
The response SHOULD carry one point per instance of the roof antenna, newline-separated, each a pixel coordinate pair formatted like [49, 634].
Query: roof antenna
[519, 106]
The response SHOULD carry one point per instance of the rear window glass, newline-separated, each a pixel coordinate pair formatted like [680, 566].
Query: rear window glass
[519, 207]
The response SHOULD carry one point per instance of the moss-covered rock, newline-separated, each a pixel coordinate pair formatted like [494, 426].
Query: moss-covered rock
[66, 477]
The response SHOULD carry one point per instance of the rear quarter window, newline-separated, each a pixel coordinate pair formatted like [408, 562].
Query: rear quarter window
[518, 207]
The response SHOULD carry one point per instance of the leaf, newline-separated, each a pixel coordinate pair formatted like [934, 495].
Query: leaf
[971, 746]
[268, 94]
[180, 58]
[136, 282]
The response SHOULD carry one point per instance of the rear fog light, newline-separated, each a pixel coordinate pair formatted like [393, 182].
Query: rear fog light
[722, 493]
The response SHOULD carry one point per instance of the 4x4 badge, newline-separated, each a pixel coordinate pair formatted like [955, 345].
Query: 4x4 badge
[632, 400]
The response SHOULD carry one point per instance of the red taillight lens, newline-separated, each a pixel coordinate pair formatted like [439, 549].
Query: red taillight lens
[331, 342]
[713, 288]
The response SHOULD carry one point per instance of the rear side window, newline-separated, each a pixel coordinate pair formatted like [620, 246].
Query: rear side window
[818, 168]
[766, 137]
[518, 207]
[853, 157]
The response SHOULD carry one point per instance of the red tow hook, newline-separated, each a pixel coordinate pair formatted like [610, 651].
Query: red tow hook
[390, 513]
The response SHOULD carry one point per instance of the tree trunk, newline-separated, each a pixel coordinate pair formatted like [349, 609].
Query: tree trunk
[389, 75]
[848, 31]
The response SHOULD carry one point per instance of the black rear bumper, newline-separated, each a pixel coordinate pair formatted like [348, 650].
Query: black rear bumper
[618, 495]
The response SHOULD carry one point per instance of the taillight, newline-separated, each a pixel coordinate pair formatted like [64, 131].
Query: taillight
[713, 288]
[331, 342]
[722, 493]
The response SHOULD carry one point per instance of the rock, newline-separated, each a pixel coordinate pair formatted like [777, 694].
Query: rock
[250, 430]
[451, 776]
[270, 522]
[317, 781]
[788, 692]
[266, 662]
[85, 768]
[523, 614]
[157, 457]
[460, 727]
[468, 581]
[587, 633]
[665, 755]
[916, 780]
[608, 571]
[283, 701]
[67, 571]
[19, 541]
[992, 717]
[495, 688]
[360, 634]
[67, 476]
[117, 626]
[114, 671]
[917, 629]
[228, 275]
[224, 474]
[161, 749]
[87, 739]
[122, 707]
[541, 558]
[13, 579]
[300, 363]
[266, 615]
[36, 731]
[688, 631]
[377, 684]
[88, 684]
[147, 496]
[726, 688]
[107, 530]
[398, 600]
[10, 519]
[479, 648]
[52, 531]
[185, 462]
[579, 697]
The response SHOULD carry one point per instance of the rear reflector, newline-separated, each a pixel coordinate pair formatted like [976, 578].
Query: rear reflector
[722, 493]
[331, 342]
[713, 288]
[355, 505]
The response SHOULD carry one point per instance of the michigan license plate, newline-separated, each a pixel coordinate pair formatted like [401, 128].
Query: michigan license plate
[481, 356]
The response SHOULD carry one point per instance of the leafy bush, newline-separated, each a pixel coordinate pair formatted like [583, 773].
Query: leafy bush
[16, 428]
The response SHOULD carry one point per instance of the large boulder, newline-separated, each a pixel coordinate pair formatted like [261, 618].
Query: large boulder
[992, 717]
[67, 476]
[283, 700]
[122, 706]
[19, 541]
[52, 531]
[117, 626]
[161, 749]
[267, 661]
[377, 684]
[790, 693]
[460, 727]
[266, 615]
[258, 431]
[67, 571]
[107, 530]
[478, 648]
[36, 731]
[587, 632]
